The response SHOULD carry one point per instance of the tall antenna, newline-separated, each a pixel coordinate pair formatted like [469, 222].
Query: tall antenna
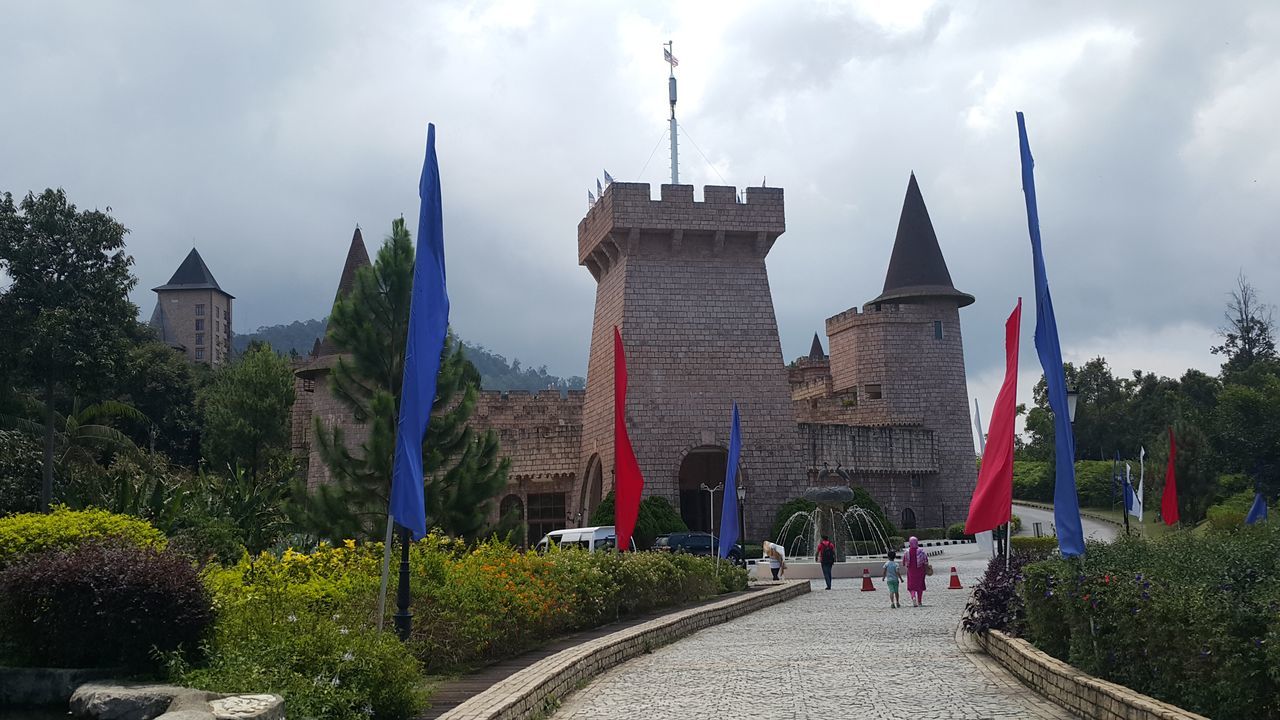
[671, 85]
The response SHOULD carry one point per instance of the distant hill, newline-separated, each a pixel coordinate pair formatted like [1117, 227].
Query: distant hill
[496, 372]
[298, 336]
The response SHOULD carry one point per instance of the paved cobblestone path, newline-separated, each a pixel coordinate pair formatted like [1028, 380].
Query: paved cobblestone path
[841, 653]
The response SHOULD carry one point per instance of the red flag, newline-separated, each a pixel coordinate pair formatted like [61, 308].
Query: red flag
[1169, 501]
[629, 483]
[992, 502]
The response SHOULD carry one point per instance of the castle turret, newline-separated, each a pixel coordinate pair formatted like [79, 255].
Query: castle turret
[193, 313]
[686, 284]
[902, 358]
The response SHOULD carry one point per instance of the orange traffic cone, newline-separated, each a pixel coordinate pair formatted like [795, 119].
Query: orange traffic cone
[955, 580]
[866, 580]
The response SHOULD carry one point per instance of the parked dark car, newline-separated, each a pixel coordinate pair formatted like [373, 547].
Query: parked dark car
[695, 543]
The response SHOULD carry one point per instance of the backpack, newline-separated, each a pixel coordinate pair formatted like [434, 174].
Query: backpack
[828, 555]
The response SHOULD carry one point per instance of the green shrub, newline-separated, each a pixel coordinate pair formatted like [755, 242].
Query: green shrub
[956, 532]
[98, 605]
[302, 626]
[64, 528]
[1032, 480]
[928, 533]
[1043, 544]
[1188, 618]
[656, 517]
[1016, 523]
[795, 534]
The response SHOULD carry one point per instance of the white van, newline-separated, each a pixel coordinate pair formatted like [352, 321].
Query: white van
[590, 539]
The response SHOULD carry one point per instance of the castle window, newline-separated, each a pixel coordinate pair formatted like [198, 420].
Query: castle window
[199, 310]
[309, 385]
[937, 329]
[546, 512]
[199, 353]
[873, 392]
[199, 325]
[199, 338]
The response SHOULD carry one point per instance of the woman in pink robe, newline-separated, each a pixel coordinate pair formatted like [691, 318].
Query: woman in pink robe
[915, 562]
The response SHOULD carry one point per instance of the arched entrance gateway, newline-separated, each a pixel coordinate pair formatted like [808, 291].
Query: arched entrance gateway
[702, 466]
[592, 489]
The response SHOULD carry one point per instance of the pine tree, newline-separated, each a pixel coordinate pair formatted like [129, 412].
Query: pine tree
[463, 470]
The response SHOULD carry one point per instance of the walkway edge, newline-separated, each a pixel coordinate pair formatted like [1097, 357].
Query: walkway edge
[1083, 513]
[533, 690]
[1072, 689]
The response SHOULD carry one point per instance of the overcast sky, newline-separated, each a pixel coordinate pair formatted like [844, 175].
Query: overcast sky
[263, 132]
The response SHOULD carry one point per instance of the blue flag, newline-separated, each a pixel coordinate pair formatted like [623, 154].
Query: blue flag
[729, 506]
[1066, 505]
[1258, 511]
[428, 323]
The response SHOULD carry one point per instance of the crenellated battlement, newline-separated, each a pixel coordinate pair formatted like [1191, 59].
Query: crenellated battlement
[886, 312]
[626, 220]
[546, 408]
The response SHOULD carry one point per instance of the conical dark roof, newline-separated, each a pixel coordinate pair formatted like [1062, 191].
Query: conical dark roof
[357, 257]
[193, 274]
[815, 350]
[917, 270]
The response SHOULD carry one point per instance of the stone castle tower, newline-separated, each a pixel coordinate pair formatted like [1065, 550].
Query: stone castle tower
[314, 399]
[890, 405]
[685, 282]
[193, 313]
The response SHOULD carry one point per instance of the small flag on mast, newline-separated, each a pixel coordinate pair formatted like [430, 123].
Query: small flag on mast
[1258, 511]
[599, 188]
[608, 179]
[729, 503]
[1169, 500]
[591, 199]
[671, 59]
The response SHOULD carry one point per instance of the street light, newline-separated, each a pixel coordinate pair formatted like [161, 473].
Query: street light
[711, 491]
[1073, 396]
[742, 512]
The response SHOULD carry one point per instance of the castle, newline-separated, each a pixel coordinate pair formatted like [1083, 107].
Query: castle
[193, 313]
[686, 283]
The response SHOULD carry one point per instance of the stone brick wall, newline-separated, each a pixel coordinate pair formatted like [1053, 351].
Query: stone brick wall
[921, 381]
[1081, 693]
[533, 691]
[316, 400]
[687, 285]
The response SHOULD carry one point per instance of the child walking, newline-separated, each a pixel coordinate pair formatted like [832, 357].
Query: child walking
[891, 578]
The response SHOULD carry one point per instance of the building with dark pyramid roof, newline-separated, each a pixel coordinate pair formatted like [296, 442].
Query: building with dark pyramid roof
[193, 313]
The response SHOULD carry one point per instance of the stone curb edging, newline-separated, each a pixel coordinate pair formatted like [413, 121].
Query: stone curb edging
[528, 692]
[1083, 513]
[1092, 697]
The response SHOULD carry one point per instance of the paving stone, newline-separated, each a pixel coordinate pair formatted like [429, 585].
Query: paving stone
[827, 654]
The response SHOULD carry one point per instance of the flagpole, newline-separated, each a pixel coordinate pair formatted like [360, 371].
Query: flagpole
[386, 572]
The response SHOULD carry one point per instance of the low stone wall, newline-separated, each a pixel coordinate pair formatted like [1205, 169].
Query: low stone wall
[531, 691]
[1081, 693]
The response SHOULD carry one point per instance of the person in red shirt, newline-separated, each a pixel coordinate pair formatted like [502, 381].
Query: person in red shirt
[826, 555]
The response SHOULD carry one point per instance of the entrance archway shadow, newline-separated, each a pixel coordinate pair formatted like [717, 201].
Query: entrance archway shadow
[703, 465]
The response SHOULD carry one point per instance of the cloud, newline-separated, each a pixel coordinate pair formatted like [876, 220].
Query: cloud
[264, 132]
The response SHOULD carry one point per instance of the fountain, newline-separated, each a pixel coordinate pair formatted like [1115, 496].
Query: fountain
[859, 536]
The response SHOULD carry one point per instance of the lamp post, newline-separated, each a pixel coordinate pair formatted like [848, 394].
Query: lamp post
[742, 513]
[711, 511]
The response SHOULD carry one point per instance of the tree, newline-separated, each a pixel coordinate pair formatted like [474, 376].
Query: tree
[656, 517]
[65, 317]
[159, 382]
[463, 472]
[1247, 424]
[246, 412]
[82, 438]
[1248, 337]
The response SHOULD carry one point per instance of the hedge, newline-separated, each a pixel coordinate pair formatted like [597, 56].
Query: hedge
[66, 528]
[1045, 543]
[1189, 618]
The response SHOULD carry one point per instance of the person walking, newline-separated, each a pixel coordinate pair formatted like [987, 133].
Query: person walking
[892, 576]
[826, 555]
[777, 558]
[917, 563]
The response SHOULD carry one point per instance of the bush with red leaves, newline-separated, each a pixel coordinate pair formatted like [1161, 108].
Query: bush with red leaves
[101, 605]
